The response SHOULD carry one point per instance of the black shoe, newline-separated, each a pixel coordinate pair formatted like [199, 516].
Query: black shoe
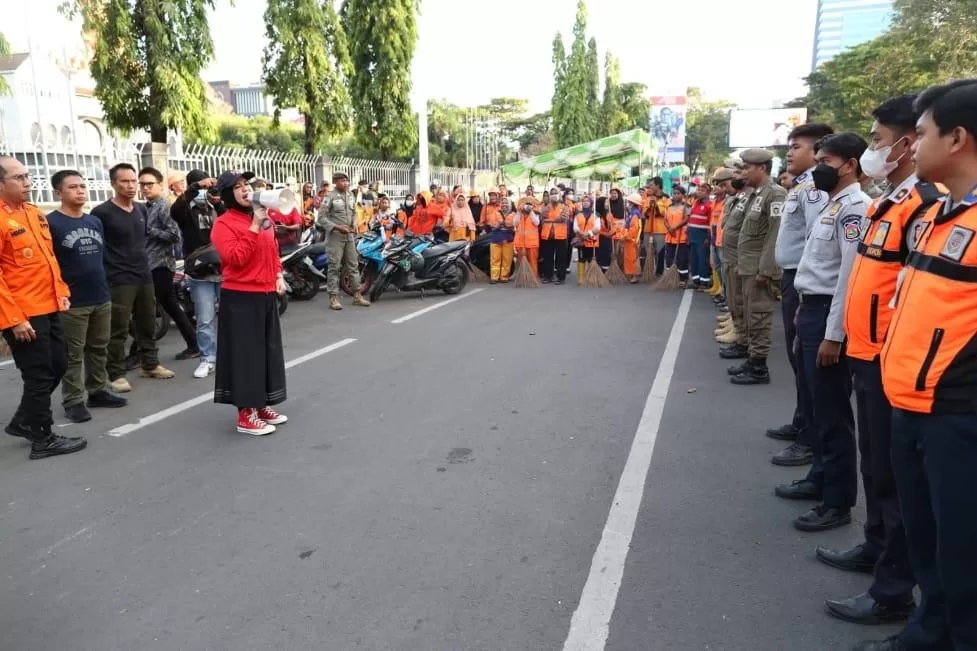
[546, 281]
[856, 559]
[724, 308]
[891, 644]
[863, 609]
[822, 518]
[737, 369]
[106, 399]
[734, 351]
[783, 433]
[493, 282]
[795, 454]
[189, 353]
[16, 429]
[755, 373]
[802, 489]
[718, 300]
[53, 445]
[132, 362]
[557, 282]
[77, 413]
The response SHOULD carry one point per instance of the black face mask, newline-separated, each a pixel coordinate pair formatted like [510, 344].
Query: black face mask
[825, 177]
[738, 184]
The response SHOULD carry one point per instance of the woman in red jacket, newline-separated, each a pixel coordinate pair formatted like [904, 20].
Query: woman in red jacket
[250, 361]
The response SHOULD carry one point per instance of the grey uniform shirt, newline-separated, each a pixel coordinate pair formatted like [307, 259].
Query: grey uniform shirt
[337, 209]
[830, 252]
[801, 209]
[758, 236]
[732, 221]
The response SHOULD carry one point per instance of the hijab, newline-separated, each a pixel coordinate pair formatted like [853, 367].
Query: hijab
[587, 206]
[475, 204]
[461, 215]
[505, 206]
[227, 198]
[616, 205]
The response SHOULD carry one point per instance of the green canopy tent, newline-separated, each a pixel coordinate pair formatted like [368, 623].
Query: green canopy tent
[611, 157]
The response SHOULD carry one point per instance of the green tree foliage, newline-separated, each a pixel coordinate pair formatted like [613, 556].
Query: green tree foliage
[382, 38]
[593, 87]
[306, 65]
[706, 132]
[613, 118]
[530, 131]
[258, 132]
[576, 123]
[4, 51]
[558, 103]
[446, 133]
[147, 59]
[634, 103]
[505, 113]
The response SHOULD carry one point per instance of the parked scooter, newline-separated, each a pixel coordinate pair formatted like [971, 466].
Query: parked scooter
[300, 269]
[417, 264]
[181, 285]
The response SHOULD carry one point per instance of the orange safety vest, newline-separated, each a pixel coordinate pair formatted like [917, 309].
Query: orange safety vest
[674, 216]
[881, 254]
[929, 360]
[584, 224]
[527, 234]
[718, 212]
[495, 219]
[553, 231]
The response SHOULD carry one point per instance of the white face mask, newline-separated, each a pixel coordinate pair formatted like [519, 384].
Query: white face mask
[875, 162]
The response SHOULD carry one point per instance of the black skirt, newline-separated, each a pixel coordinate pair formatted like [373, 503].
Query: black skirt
[250, 359]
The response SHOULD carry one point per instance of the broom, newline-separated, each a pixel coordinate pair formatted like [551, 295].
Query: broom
[614, 273]
[594, 277]
[525, 274]
[648, 276]
[670, 280]
[476, 275]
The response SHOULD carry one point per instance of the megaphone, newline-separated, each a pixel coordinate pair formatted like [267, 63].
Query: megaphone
[282, 200]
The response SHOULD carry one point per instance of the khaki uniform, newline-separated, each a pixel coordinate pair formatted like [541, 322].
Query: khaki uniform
[339, 209]
[733, 214]
[757, 244]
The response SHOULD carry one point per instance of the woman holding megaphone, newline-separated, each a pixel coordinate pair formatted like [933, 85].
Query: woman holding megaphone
[250, 360]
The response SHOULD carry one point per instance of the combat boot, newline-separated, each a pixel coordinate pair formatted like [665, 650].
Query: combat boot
[738, 369]
[359, 301]
[724, 328]
[334, 303]
[734, 351]
[755, 373]
[728, 338]
[724, 317]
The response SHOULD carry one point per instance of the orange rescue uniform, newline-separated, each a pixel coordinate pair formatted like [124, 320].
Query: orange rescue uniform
[554, 231]
[30, 278]
[527, 240]
[630, 232]
[675, 215]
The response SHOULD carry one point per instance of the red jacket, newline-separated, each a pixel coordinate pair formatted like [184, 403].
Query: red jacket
[249, 261]
[700, 214]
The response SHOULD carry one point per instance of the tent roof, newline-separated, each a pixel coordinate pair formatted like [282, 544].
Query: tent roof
[611, 156]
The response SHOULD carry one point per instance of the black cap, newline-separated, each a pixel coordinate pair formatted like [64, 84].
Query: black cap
[196, 176]
[230, 178]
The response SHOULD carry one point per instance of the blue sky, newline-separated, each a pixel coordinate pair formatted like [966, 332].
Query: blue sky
[503, 48]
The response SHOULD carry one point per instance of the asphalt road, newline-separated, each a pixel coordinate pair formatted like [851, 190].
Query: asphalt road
[443, 483]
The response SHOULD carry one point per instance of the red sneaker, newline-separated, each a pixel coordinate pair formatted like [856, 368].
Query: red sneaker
[271, 416]
[248, 422]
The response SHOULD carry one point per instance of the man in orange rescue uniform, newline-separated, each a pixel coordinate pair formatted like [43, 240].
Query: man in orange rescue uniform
[884, 247]
[31, 295]
[929, 372]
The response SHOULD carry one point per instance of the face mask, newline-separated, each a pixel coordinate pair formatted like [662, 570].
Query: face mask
[738, 184]
[569, 197]
[408, 203]
[825, 177]
[875, 162]
[201, 197]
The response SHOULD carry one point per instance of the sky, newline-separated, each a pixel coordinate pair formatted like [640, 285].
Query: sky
[472, 50]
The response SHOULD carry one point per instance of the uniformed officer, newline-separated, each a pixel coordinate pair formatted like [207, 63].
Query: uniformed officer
[720, 179]
[804, 204]
[735, 342]
[757, 268]
[822, 282]
[929, 372]
[337, 216]
[884, 247]
[32, 294]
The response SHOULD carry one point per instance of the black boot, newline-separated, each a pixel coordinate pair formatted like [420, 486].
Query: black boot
[756, 373]
[738, 369]
[734, 351]
[46, 443]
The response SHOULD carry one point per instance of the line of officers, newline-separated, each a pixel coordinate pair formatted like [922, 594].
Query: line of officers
[880, 298]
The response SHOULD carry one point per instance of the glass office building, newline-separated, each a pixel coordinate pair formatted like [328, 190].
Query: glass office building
[842, 24]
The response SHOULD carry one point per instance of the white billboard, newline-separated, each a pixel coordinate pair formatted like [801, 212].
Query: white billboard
[668, 126]
[763, 127]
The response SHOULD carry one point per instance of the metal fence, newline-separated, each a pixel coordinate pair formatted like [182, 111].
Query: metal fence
[394, 178]
[272, 166]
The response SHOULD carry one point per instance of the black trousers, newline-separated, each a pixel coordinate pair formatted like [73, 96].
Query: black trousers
[166, 298]
[803, 411]
[42, 364]
[553, 256]
[586, 253]
[885, 535]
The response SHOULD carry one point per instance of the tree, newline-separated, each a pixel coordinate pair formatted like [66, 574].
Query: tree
[706, 131]
[446, 133]
[593, 87]
[557, 110]
[382, 38]
[531, 130]
[306, 65]
[4, 52]
[147, 60]
[575, 122]
[506, 112]
[634, 103]
[614, 119]
[259, 132]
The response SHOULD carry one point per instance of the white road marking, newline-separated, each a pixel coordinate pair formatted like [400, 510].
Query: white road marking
[590, 624]
[429, 308]
[122, 430]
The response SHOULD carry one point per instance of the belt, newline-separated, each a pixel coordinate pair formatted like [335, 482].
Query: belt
[816, 299]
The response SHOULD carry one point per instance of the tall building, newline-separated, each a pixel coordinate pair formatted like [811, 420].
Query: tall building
[842, 24]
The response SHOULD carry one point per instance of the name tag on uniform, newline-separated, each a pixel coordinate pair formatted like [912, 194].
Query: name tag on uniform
[827, 221]
[883, 231]
[19, 231]
[873, 252]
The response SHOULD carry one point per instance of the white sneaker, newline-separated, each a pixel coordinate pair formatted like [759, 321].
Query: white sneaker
[204, 369]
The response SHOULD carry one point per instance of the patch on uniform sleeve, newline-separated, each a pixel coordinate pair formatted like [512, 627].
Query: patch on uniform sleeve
[814, 195]
[851, 227]
[956, 244]
[878, 239]
[776, 208]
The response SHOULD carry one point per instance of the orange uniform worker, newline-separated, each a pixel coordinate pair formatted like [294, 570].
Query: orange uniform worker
[631, 238]
[500, 223]
[553, 235]
[460, 222]
[586, 227]
[32, 293]
[526, 223]
[437, 209]
[491, 209]
[716, 227]
[658, 203]
[676, 233]
[929, 373]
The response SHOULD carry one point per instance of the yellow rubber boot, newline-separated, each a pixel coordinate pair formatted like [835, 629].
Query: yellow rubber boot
[716, 289]
[580, 271]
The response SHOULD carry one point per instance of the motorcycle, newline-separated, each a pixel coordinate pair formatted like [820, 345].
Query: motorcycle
[181, 285]
[417, 264]
[369, 249]
[302, 273]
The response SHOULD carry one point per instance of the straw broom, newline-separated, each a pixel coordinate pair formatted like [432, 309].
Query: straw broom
[670, 280]
[648, 276]
[594, 277]
[614, 273]
[476, 275]
[525, 274]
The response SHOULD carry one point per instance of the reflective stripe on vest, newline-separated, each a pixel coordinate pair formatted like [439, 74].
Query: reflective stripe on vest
[929, 360]
[554, 231]
[872, 282]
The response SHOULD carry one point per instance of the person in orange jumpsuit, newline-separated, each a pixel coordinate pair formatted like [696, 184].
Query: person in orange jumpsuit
[526, 224]
[459, 222]
[438, 208]
[676, 235]
[586, 228]
[630, 238]
[32, 294]
[500, 223]
[490, 211]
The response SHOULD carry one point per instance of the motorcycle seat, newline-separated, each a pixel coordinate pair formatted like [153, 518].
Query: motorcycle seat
[316, 249]
[441, 249]
[288, 249]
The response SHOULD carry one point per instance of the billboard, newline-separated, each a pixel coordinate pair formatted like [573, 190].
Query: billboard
[763, 127]
[668, 126]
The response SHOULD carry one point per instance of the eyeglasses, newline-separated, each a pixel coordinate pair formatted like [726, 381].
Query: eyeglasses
[147, 184]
